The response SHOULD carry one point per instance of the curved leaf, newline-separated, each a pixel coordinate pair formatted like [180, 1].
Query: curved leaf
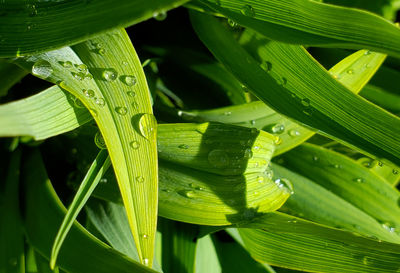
[112, 85]
[30, 28]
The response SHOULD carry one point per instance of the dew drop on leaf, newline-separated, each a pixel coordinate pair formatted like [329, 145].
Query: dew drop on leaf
[294, 133]
[131, 94]
[110, 74]
[147, 126]
[218, 158]
[121, 110]
[276, 129]
[88, 93]
[100, 102]
[248, 153]
[82, 68]
[42, 69]
[285, 185]
[99, 141]
[267, 66]
[232, 23]
[160, 15]
[134, 145]
[248, 10]
[140, 179]
[66, 64]
[129, 80]
[359, 180]
[183, 146]
[187, 194]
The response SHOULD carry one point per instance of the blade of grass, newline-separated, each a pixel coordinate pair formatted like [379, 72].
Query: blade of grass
[89, 183]
[106, 76]
[349, 180]
[311, 23]
[320, 101]
[12, 258]
[30, 28]
[82, 252]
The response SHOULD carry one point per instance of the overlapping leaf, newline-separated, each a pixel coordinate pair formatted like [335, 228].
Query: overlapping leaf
[106, 76]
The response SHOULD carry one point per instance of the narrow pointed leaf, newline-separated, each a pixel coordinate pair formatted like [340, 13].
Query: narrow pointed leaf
[89, 183]
[112, 85]
[30, 28]
[312, 23]
[350, 180]
[82, 251]
[320, 101]
[11, 232]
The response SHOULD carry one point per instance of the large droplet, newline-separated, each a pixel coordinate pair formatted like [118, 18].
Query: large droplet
[285, 185]
[218, 158]
[110, 74]
[146, 262]
[42, 69]
[276, 128]
[134, 145]
[147, 126]
[121, 110]
[160, 16]
[129, 80]
[88, 93]
[389, 226]
[99, 141]
[248, 11]
[100, 102]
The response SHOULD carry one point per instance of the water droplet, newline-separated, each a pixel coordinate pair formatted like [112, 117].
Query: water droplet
[187, 194]
[88, 93]
[129, 80]
[99, 141]
[336, 166]
[285, 185]
[146, 261]
[121, 110]
[160, 16]
[79, 76]
[276, 129]
[145, 236]
[218, 158]
[389, 227]
[110, 74]
[359, 180]
[248, 153]
[134, 145]
[227, 113]
[305, 102]
[260, 179]
[269, 173]
[232, 23]
[101, 51]
[82, 68]
[42, 69]
[147, 126]
[31, 10]
[350, 71]
[103, 180]
[294, 133]
[367, 52]
[380, 164]
[395, 171]
[125, 63]
[365, 260]
[256, 148]
[183, 146]
[100, 102]
[131, 94]
[248, 10]
[139, 179]
[66, 64]
[88, 76]
[267, 66]
[284, 81]
[278, 141]
[253, 122]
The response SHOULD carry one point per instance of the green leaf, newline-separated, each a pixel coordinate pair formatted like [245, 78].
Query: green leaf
[318, 204]
[51, 25]
[319, 101]
[280, 239]
[178, 246]
[312, 23]
[206, 256]
[349, 180]
[82, 252]
[112, 85]
[89, 183]
[11, 233]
